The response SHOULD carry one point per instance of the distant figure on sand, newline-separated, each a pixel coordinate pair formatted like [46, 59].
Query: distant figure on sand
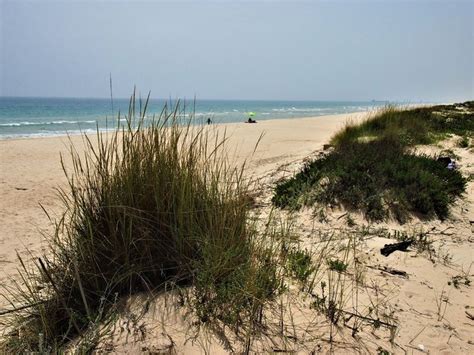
[250, 120]
[209, 121]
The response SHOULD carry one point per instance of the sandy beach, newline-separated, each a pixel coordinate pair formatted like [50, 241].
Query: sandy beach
[30, 173]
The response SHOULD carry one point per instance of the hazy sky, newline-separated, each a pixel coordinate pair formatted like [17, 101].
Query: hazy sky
[315, 50]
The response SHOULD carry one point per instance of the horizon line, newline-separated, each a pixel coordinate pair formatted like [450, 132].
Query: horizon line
[221, 99]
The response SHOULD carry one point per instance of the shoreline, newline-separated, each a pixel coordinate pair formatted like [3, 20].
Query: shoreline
[90, 131]
[76, 132]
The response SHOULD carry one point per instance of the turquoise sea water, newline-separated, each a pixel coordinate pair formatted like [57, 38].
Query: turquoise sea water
[35, 117]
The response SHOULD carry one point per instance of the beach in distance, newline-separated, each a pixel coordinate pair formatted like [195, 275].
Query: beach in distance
[24, 117]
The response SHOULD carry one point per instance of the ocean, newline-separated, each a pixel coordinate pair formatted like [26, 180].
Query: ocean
[37, 117]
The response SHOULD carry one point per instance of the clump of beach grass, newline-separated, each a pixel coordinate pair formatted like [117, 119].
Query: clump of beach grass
[373, 168]
[152, 204]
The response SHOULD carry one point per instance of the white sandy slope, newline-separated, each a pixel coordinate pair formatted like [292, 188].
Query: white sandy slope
[30, 171]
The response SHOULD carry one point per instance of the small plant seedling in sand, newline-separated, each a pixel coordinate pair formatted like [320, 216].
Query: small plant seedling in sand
[337, 265]
[350, 221]
[299, 264]
[460, 280]
[463, 142]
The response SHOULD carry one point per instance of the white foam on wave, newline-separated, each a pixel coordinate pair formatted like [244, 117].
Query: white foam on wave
[304, 109]
[200, 114]
[29, 123]
[46, 134]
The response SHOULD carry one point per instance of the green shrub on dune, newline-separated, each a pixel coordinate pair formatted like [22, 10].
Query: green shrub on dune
[378, 178]
[372, 168]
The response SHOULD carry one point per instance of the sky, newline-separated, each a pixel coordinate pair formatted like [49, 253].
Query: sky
[416, 50]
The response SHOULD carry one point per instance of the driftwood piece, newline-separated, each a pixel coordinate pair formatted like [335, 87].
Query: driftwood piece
[390, 248]
[394, 271]
[390, 270]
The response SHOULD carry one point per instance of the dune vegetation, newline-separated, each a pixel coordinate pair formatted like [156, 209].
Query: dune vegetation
[148, 207]
[374, 168]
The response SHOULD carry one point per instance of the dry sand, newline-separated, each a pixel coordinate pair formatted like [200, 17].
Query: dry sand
[432, 316]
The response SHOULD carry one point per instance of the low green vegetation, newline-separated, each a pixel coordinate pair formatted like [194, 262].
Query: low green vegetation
[463, 142]
[373, 169]
[146, 207]
[378, 178]
[337, 265]
[299, 264]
